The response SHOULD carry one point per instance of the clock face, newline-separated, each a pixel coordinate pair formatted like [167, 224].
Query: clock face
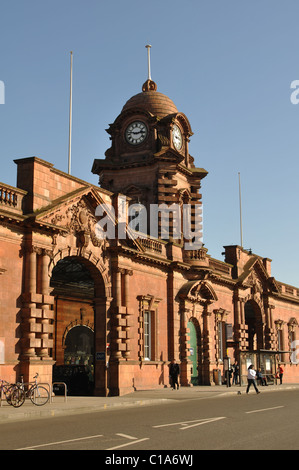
[177, 137]
[136, 132]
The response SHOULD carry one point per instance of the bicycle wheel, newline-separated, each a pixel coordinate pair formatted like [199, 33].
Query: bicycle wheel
[15, 396]
[39, 395]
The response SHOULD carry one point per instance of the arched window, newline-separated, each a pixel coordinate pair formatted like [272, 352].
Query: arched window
[79, 346]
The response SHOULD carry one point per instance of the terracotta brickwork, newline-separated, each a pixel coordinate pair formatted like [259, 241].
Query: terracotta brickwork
[138, 302]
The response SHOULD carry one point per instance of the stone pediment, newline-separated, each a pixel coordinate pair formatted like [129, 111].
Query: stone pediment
[197, 291]
[73, 213]
[257, 278]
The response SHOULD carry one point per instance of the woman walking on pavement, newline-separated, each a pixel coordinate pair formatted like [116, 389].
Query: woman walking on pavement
[251, 374]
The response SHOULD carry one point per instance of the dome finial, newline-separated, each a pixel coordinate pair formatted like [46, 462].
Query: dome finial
[149, 85]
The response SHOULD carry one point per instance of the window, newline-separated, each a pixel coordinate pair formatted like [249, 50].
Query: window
[280, 343]
[280, 339]
[221, 339]
[148, 318]
[221, 330]
[147, 335]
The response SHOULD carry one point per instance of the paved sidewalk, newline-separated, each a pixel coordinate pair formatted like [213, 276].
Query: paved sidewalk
[79, 405]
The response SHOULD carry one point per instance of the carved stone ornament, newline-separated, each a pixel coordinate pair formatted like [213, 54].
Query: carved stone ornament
[78, 219]
[198, 291]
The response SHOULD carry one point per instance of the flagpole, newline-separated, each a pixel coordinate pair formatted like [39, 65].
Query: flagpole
[240, 202]
[70, 116]
[148, 46]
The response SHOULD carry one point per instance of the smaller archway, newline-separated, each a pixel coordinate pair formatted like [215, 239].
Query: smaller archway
[79, 346]
[79, 359]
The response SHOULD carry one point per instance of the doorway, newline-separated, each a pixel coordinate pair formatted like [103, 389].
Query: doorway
[74, 339]
[194, 352]
[253, 319]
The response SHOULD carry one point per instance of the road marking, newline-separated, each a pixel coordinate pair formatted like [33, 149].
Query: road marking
[188, 425]
[126, 436]
[61, 442]
[129, 443]
[264, 409]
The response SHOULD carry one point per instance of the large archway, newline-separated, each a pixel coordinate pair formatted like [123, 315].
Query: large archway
[80, 325]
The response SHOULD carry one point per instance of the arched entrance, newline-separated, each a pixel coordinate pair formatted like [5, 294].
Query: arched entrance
[195, 351]
[78, 287]
[253, 320]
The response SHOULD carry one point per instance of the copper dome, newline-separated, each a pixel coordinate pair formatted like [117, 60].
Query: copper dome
[151, 100]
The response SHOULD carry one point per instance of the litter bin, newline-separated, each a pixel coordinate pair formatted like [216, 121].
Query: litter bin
[217, 376]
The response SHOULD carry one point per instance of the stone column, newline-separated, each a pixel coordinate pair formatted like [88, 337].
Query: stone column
[28, 341]
[47, 300]
[116, 323]
[239, 324]
[185, 372]
[243, 326]
[206, 375]
[127, 273]
[101, 378]
[269, 330]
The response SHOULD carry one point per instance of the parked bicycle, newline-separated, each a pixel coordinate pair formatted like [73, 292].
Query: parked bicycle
[38, 394]
[14, 395]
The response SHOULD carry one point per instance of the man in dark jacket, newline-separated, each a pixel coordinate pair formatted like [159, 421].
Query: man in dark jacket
[174, 372]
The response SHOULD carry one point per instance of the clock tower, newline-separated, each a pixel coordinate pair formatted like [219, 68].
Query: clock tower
[149, 159]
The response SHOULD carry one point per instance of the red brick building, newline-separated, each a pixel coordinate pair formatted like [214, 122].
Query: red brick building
[122, 308]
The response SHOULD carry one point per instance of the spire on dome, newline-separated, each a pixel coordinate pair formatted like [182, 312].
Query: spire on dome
[148, 47]
[149, 85]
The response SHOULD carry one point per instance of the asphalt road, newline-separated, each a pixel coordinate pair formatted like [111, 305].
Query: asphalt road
[268, 421]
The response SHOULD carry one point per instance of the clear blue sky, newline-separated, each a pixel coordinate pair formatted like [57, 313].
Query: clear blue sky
[226, 64]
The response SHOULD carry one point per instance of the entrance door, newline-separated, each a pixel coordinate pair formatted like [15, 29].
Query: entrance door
[79, 360]
[193, 348]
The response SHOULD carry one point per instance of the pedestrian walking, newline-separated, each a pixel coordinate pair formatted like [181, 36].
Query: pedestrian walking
[251, 375]
[174, 372]
[280, 374]
[236, 370]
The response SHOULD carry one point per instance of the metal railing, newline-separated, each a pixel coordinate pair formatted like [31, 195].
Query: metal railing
[50, 388]
[65, 391]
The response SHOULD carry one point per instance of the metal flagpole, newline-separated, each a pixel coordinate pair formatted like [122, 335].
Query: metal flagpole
[70, 117]
[148, 61]
[241, 229]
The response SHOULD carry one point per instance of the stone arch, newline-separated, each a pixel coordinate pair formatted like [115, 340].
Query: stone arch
[93, 263]
[83, 301]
